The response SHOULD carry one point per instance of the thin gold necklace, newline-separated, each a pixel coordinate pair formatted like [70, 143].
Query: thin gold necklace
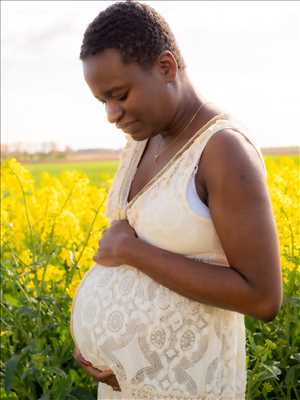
[157, 155]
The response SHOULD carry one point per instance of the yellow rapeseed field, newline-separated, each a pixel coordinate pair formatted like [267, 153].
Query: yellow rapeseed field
[49, 234]
[52, 231]
[69, 212]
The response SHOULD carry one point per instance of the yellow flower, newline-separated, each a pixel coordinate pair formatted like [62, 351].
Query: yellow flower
[26, 257]
[50, 273]
[71, 290]
[67, 257]
[67, 227]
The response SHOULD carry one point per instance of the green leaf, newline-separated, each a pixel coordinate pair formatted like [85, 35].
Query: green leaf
[10, 371]
[291, 375]
[296, 357]
[26, 311]
[29, 373]
[11, 300]
[73, 375]
[270, 371]
[44, 397]
[294, 300]
[82, 394]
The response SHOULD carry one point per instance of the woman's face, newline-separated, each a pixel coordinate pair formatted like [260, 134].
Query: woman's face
[140, 102]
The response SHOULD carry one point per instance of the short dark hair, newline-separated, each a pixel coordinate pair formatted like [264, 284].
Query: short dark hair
[138, 31]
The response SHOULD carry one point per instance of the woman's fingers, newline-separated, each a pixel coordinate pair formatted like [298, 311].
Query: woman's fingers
[106, 376]
[82, 360]
[111, 381]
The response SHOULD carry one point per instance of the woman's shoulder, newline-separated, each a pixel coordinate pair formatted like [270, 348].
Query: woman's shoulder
[232, 150]
[229, 157]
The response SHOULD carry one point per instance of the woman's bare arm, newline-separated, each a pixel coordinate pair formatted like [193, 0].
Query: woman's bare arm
[241, 211]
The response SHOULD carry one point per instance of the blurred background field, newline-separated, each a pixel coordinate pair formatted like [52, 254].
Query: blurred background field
[96, 171]
[52, 216]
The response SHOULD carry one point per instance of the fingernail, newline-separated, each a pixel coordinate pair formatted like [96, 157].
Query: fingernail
[85, 362]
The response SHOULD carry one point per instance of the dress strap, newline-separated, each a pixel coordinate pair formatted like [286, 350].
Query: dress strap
[191, 160]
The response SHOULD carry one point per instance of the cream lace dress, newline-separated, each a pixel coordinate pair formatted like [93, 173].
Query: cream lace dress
[161, 345]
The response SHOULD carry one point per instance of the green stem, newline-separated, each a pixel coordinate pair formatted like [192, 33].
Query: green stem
[87, 239]
[25, 206]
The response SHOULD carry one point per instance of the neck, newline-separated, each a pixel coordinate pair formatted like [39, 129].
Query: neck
[187, 106]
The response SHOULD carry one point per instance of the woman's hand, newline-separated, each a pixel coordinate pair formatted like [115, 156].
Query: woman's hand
[114, 242]
[105, 376]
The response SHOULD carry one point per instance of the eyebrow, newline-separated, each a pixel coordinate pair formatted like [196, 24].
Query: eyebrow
[109, 92]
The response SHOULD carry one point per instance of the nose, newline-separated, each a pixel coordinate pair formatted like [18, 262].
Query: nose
[113, 111]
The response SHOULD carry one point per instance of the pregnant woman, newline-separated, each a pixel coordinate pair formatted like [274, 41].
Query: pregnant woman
[191, 247]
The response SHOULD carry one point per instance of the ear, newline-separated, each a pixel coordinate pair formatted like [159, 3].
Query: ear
[167, 65]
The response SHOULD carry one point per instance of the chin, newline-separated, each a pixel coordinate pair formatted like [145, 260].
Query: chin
[138, 136]
[137, 139]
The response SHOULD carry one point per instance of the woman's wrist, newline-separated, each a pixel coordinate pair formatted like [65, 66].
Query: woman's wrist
[128, 249]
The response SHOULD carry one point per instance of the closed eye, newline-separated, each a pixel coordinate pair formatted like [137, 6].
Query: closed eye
[123, 97]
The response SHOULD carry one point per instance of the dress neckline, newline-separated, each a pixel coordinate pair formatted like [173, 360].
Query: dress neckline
[136, 156]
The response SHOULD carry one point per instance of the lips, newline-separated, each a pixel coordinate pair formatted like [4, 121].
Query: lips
[126, 127]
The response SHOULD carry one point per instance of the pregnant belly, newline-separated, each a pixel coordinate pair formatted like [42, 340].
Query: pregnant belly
[147, 334]
[112, 305]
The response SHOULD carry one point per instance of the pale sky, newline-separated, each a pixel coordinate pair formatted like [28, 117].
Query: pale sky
[242, 55]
